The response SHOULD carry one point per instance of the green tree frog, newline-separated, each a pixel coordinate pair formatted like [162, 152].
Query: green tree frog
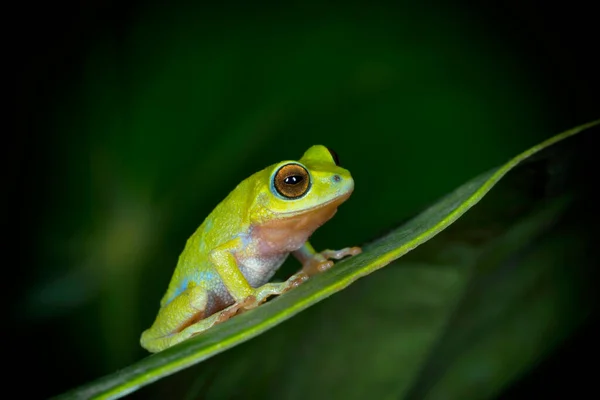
[227, 263]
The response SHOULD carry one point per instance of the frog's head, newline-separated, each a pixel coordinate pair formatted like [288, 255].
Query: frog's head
[315, 184]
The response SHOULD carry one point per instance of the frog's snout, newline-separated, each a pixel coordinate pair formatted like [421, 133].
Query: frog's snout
[343, 183]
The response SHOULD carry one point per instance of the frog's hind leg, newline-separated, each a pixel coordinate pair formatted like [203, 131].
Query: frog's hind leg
[172, 321]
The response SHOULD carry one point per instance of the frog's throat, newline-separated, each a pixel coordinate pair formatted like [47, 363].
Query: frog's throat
[285, 234]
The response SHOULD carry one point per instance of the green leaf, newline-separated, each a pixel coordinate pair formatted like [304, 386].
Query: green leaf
[376, 255]
[400, 332]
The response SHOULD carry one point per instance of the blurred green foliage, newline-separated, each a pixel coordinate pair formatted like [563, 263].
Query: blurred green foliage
[171, 113]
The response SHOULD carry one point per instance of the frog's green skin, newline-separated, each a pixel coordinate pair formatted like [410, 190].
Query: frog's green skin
[226, 264]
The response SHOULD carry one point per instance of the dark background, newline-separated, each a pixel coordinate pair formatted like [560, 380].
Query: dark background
[134, 119]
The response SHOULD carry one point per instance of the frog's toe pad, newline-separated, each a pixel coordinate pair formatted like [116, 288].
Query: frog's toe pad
[295, 281]
[339, 254]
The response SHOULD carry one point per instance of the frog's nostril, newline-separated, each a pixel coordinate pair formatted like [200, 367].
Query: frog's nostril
[337, 178]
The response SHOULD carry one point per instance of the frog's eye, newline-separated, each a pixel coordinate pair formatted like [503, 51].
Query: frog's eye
[291, 181]
[336, 158]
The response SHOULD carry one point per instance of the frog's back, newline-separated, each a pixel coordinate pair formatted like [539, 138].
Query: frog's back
[223, 224]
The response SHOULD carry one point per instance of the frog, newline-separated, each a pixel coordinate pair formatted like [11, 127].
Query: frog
[226, 265]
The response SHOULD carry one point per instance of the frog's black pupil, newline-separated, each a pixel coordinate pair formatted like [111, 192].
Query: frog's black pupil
[293, 180]
[335, 157]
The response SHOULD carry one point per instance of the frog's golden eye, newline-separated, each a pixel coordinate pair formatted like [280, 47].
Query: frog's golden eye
[336, 158]
[291, 181]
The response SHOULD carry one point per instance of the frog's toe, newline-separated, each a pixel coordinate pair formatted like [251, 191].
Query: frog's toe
[324, 265]
[339, 254]
[297, 280]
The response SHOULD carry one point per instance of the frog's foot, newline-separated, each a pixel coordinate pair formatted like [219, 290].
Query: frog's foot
[320, 262]
[276, 288]
[267, 290]
[235, 309]
[214, 319]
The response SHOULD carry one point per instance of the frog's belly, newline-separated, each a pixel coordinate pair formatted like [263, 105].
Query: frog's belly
[259, 270]
[256, 270]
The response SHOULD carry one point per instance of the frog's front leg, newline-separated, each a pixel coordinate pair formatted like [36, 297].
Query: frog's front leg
[314, 263]
[246, 297]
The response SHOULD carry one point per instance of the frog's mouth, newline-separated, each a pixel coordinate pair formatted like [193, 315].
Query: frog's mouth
[326, 206]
